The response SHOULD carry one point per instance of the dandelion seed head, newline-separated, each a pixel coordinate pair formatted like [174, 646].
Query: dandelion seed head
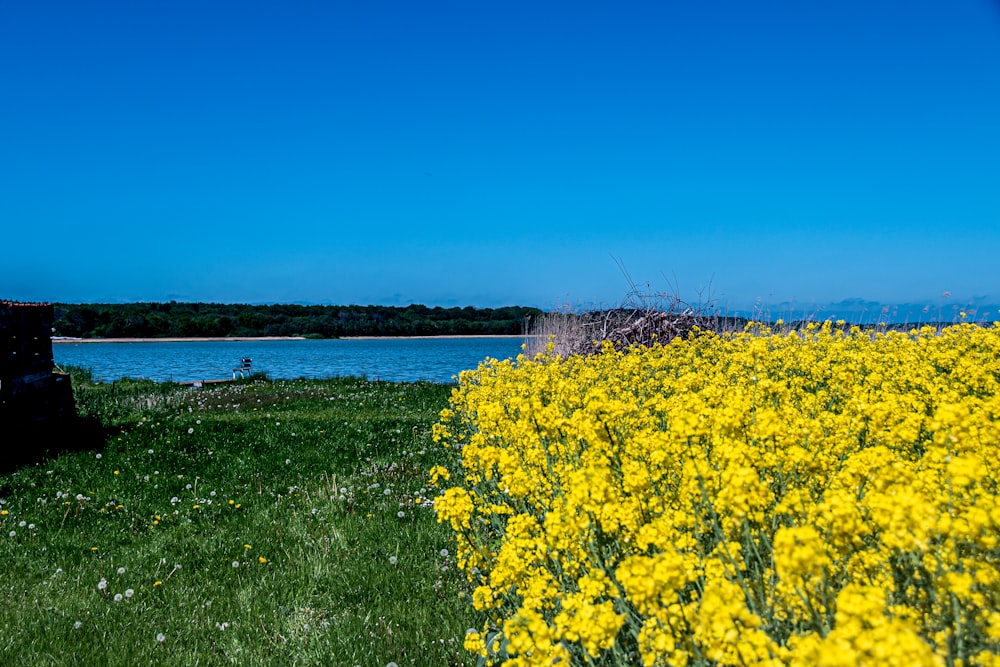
[160, 637]
[118, 597]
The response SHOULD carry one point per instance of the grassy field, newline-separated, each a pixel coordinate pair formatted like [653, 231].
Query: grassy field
[255, 523]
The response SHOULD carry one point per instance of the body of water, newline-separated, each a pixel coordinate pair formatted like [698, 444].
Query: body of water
[396, 360]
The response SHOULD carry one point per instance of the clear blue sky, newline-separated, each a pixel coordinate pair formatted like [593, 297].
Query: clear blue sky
[506, 153]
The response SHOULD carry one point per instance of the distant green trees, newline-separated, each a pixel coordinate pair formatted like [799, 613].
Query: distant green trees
[173, 319]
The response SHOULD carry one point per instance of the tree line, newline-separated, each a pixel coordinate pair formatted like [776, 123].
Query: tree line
[203, 320]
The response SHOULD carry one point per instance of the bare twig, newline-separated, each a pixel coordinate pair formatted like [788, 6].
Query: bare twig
[644, 317]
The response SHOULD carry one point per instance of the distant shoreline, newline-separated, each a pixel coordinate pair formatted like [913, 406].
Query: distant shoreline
[234, 339]
[427, 337]
[252, 339]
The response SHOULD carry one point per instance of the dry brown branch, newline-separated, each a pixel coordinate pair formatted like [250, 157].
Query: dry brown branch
[644, 318]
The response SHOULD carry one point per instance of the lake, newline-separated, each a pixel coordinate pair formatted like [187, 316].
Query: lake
[395, 359]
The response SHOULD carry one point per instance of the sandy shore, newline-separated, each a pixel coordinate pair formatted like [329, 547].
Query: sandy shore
[231, 339]
[251, 339]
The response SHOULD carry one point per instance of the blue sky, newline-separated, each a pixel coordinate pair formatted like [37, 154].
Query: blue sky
[797, 155]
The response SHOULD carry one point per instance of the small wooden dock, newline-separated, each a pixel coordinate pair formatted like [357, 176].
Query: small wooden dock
[198, 384]
[244, 370]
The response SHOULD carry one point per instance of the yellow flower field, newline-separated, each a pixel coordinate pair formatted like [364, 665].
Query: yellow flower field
[822, 496]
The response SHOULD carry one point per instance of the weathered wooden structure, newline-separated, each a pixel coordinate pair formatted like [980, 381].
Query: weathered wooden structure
[35, 402]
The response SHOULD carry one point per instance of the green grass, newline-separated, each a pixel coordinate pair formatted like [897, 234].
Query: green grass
[255, 523]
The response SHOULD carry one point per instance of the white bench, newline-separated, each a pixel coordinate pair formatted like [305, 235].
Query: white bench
[244, 369]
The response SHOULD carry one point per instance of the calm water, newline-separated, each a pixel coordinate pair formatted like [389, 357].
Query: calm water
[397, 360]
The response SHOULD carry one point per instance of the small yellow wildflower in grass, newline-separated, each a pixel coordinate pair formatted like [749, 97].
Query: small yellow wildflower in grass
[820, 496]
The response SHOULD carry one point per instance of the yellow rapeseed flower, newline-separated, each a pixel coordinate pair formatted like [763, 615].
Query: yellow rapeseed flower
[810, 495]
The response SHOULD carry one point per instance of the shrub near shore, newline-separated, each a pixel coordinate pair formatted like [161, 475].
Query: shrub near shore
[256, 523]
[821, 496]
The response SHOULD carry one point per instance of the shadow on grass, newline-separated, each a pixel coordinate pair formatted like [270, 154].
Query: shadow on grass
[27, 443]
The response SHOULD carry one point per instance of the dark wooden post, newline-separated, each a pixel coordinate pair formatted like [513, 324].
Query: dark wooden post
[35, 401]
